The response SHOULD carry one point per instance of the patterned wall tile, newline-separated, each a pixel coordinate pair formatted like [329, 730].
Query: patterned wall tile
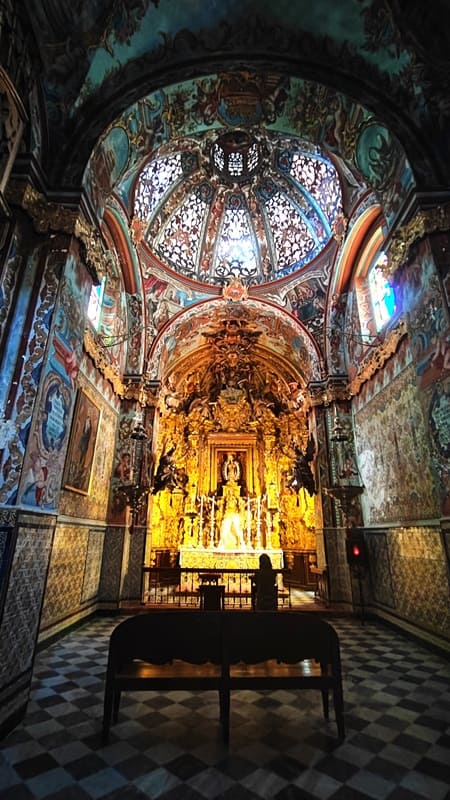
[93, 566]
[20, 621]
[65, 577]
[111, 577]
[131, 588]
[380, 568]
[418, 586]
[339, 573]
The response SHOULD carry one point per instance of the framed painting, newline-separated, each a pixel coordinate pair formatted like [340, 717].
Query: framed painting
[80, 454]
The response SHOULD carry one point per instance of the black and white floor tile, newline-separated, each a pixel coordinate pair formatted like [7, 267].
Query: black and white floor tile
[168, 746]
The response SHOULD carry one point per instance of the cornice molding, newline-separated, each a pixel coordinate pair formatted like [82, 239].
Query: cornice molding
[378, 357]
[49, 216]
[423, 223]
[101, 361]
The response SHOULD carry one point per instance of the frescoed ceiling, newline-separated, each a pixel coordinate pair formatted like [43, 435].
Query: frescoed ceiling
[241, 140]
[98, 58]
[222, 178]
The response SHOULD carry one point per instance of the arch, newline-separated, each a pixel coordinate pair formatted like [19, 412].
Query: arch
[280, 334]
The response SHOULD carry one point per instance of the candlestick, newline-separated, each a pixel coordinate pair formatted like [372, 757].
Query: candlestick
[258, 522]
[212, 521]
[200, 530]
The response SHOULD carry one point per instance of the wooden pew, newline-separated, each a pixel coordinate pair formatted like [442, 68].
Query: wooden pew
[162, 651]
[225, 651]
[287, 649]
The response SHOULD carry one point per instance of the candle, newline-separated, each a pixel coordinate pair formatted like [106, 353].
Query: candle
[212, 520]
[258, 522]
[200, 533]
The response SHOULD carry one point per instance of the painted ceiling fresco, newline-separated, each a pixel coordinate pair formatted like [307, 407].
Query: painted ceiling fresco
[276, 222]
[275, 333]
[98, 58]
[335, 86]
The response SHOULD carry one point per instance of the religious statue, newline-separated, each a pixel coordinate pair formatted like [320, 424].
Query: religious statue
[231, 469]
[231, 533]
[302, 475]
[168, 475]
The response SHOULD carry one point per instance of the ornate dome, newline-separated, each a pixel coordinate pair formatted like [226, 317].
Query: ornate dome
[237, 204]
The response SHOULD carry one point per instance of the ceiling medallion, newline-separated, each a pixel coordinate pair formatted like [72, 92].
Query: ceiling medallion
[235, 291]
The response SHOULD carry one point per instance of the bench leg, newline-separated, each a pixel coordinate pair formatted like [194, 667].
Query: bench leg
[116, 704]
[338, 701]
[107, 711]
[324, 693]
[224, 703]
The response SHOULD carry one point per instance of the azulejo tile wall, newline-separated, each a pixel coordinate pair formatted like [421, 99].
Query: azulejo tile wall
[20, 620]
[408, 576]
[74, 572]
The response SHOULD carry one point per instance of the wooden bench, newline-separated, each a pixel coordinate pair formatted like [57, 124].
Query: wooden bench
[162, 651]
[224, 651]
[281, 650]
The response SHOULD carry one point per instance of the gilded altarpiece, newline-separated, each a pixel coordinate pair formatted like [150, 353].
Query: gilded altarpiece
[225, 486]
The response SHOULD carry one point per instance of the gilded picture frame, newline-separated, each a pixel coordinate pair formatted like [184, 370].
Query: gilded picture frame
[81, 450]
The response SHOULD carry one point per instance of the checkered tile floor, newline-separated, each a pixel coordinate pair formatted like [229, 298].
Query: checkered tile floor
[168, 746]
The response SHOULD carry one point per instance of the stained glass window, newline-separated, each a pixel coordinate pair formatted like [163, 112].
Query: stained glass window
[382, 295]
[94, 310]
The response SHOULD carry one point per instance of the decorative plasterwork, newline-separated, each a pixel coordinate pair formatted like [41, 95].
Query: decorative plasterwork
[49, 216]
[95, 350]
[96, 256]
[423, 223]
[46, 216]
[378, 357]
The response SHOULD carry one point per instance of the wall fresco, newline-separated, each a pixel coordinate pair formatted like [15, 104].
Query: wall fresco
[395, 460]
[56, 378]
[31, 361]
[425, 303]
[280, 333]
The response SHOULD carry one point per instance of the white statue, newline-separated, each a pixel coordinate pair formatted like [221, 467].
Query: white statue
[231, 533]
[231, 469]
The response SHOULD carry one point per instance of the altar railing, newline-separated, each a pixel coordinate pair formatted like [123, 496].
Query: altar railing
[180, 586]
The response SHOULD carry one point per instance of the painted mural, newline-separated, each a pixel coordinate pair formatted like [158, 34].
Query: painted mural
[395, 462]
[425, 305]
[279, 332]
[136, 38]
[23, 387]
[293, 107]
[57, 378]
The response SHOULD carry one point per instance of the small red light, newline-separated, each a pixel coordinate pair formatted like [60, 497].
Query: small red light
[356, 550]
